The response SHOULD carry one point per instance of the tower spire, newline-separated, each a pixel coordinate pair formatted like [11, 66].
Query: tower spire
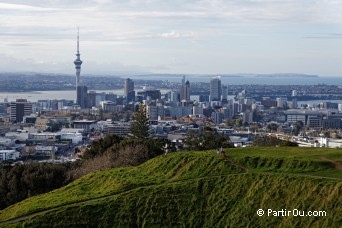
[78, 40]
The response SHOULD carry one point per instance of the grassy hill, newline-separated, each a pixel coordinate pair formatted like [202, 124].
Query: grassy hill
[192, 189]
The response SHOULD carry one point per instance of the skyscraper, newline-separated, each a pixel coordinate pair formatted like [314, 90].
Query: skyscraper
[185, 91]
[82, 96]
[215, 89]
[129, 90]
[224, 93]
[78, 63]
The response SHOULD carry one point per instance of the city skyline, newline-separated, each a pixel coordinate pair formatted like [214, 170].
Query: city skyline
[190, 37]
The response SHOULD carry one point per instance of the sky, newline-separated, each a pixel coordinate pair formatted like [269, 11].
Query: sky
[172, 36]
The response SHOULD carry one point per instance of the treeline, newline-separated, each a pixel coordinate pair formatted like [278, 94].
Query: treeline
[113, 151]
[22, 181]
[272, 141]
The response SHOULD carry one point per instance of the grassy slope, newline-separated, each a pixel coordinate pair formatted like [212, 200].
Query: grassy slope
[310, 161]
[197, 188]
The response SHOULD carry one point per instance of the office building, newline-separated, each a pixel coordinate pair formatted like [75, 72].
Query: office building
[215, 89]
[224, 93]
[82, 96]
[129, 90]
[91, 99]
[19, 109]
[185, 92]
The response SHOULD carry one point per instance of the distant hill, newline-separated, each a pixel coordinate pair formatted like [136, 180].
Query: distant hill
[197, 189]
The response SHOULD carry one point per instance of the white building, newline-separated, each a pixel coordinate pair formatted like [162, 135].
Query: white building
[6, 142]
[45, 150]
[6, 155]
[75, 138]
[197, 110]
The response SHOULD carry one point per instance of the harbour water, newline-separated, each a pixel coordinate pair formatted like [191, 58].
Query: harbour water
[226, 80]
[51, 95]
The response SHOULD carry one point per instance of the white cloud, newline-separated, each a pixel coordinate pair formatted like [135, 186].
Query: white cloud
[177, 35]
[7, 6]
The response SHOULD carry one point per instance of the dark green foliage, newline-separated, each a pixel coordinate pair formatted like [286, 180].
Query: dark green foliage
[140, 127]
[22, 181]
[205, 140]
[272, 127]
[297, 127]
[272, 141]
[54, 127]
[98, 147]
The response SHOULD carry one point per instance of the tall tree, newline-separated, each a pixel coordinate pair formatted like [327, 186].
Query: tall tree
[140, 126]
[205, 139]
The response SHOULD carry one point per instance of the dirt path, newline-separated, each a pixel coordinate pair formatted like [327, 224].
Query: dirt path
[337, 165]
[238, 165]
[178, 170]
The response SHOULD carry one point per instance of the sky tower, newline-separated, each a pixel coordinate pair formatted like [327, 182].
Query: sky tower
[78, 61]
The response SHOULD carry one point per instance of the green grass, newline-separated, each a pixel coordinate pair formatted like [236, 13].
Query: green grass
[298, 153]
[197, 189]
[216, 201]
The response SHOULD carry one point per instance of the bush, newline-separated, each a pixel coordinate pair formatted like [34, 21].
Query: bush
[22, 181]
[272, 141]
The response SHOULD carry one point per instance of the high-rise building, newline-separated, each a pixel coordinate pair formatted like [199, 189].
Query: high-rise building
[129, 90]
[91, 99]
[78, 62]
[19, 109]
[203, 98]
[111, 97]
[281, 102]
[150, 94]
[224, 93]
[217, 117]
[174, 95]
[130, 96]
[185, 92]
[215, 89]
[82, 96]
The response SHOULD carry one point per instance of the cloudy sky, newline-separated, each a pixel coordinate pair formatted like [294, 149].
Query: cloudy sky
[173, 36]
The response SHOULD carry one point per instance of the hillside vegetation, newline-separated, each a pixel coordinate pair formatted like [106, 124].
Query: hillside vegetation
[191, 189]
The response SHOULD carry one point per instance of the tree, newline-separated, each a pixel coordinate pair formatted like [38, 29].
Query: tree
[21, 181]
[271, 141]
[205, 140]
[98, 147]
[238, 122]
[272, 127]
[297, 127]
[140, 126]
